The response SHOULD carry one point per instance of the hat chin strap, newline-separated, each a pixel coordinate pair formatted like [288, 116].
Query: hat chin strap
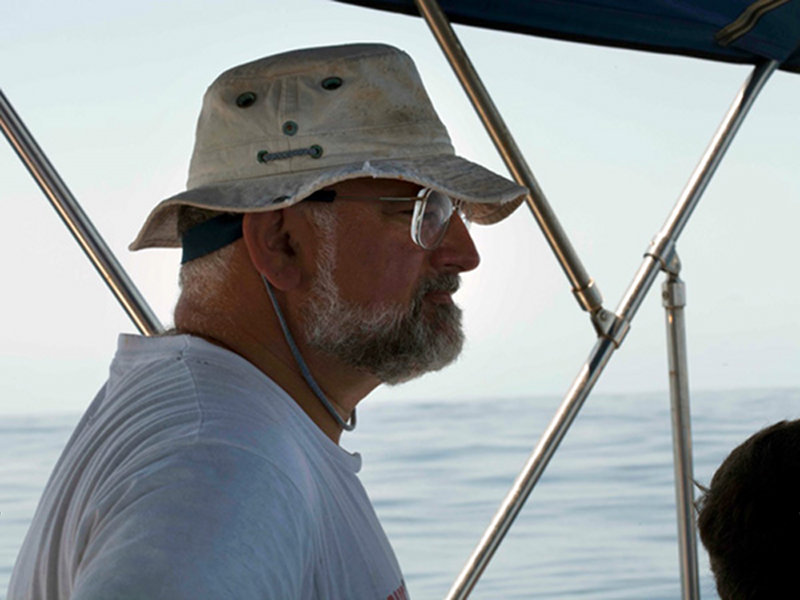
[304, 370]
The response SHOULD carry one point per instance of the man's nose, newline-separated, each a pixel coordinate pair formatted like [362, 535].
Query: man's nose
[457, 251]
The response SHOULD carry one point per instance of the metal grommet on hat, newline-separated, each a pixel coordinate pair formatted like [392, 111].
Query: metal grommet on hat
[246, 100]
[290, 128]
[331, 83]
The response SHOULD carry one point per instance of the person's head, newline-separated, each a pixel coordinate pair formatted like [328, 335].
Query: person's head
[749, 518]
[303, 155]
[380, 301]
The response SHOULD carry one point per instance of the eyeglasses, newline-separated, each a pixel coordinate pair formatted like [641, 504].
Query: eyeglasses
[430, 217]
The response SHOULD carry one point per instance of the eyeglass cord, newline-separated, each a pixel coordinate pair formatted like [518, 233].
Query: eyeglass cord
[304, 370]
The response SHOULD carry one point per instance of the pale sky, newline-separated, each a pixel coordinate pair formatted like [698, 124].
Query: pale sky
[112, 90]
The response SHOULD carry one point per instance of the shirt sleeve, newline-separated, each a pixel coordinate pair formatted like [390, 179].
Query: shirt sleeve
[209, 521]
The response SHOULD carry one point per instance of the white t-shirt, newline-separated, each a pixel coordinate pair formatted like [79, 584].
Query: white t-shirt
[193, 475]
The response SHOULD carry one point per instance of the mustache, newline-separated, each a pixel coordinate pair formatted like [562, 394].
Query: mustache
[447, 282]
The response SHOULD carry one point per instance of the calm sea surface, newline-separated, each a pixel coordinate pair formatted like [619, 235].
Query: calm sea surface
[600, 524]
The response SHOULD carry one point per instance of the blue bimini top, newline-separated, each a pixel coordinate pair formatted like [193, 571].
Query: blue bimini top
[739, 31]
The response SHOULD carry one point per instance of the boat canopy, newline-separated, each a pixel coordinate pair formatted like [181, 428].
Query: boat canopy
[739, 31]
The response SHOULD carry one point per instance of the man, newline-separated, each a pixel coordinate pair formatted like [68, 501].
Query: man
[749, 518]
[319, 260]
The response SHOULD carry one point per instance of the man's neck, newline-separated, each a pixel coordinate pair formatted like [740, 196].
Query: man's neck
[261, 342]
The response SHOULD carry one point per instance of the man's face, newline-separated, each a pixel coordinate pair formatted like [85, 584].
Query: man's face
[379, 302]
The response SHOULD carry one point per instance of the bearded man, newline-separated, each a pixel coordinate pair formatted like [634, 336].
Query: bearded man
[323, 234]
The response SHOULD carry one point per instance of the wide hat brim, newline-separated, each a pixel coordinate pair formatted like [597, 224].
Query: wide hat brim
[489, 197]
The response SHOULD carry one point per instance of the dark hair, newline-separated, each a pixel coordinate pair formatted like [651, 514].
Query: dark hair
[749, 519]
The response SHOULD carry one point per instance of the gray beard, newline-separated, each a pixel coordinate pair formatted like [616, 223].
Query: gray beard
[393, 343]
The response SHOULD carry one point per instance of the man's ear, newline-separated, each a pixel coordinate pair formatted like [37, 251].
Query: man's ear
[272, 248]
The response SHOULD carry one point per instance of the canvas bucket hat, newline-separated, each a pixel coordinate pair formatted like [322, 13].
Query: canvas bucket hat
[273, 131]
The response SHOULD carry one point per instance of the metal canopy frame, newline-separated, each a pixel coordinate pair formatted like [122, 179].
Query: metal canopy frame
[611, 327]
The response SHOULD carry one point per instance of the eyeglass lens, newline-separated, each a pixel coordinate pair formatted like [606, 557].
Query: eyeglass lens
[431, 217]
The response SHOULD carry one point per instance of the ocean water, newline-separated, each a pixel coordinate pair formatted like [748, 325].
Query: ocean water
[600, 524]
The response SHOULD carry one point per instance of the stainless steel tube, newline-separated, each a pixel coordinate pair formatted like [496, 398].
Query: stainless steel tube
[532, 471]
[584, 288]
[665, 240]
[76, 220]
[674, 300]
[601, 354]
